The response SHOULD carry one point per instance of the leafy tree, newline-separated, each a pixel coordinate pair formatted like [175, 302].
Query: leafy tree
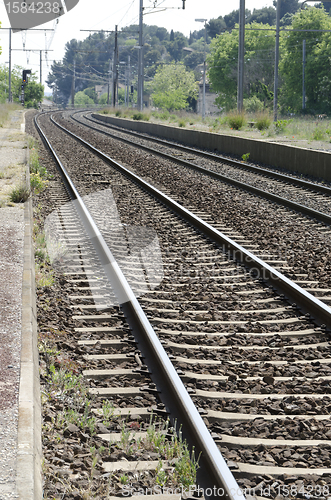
[288, 6]
[318, 65]
[82, 99]
[233, 18]
[175, 46]
[103, 99]
[33, 91]
[33, 94]
[4, 83]
[286, 20]
[259, 63]
[162, 34]
[267, 15]
[173, 86]
[215, 27]
[92, 94]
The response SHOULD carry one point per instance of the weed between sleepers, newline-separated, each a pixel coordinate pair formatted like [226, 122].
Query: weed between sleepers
[64, 388]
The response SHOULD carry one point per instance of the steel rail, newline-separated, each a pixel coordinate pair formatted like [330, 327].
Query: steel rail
[302, 299]
[215, 474]
[310, 212]
[319, 188]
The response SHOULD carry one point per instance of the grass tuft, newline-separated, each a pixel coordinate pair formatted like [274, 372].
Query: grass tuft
[236, 120]
[19, 194]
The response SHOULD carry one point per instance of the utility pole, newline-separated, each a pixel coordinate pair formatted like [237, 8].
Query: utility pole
[73, 85]
[115, 71]
[140, 59]
[128, 82]
[108, 93]
[241, 53]
[9, 79]
[41, 68]
[203, 113]
[303, 74]
[276, 61]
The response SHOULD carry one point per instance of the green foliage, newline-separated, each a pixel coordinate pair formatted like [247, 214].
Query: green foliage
[140, 116]
[223, 64]
[262, 121]
[288, 6]
[91, 93]
[245, 156]
[103, 98]
[318, 47]
[280, 125]
[236, 120]
[173, 86]
[33, 91]
[82, 99]
[253, 104]
[37, 183]
[318, 134]
[93, 53]
[19, 194]
[33, 94]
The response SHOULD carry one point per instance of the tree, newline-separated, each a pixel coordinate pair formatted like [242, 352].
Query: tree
[318, 65]
[288, 6]
[259, 64]
[33, 94]
[215, 27]
[4, 86]
[175, 46]
[173, 86]
[267, 15]
[92, 94]
[81, 99]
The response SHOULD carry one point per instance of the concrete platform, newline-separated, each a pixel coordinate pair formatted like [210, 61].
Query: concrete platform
[20, 429]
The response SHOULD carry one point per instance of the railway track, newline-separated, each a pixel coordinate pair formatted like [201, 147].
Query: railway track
[256, 366]
[312, 199]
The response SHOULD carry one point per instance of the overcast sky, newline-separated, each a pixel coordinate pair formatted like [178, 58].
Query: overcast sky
[105, 14]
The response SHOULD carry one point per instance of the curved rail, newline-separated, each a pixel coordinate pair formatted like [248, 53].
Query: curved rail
[176, 399]
[302, 299]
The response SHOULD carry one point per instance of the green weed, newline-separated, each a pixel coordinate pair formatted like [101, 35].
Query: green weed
[280, 125]
[262, 121]
[236, 120]
[245, 156]
[19, 194]
[318, 134]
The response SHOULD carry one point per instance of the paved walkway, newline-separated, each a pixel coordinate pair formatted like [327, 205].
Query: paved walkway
[17, 440]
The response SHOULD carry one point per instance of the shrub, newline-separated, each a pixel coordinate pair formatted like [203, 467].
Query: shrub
[137, 116]
[253, 104]
[118, 113]
[164, 115]
[236, 120]
[37, 183]
[280, 125]
[262, 121]
[140, 116]
[318, 134]
[19, 194]
[181, 123]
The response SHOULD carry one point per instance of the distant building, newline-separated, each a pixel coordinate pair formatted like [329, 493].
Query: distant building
[210, 106]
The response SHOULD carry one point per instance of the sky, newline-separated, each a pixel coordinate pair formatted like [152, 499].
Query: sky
[105, 14]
